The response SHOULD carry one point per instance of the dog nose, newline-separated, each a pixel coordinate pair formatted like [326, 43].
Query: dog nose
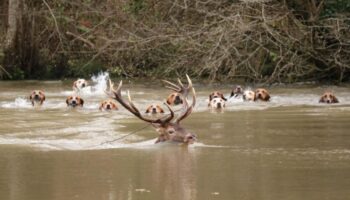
[219, 105]
[328, 101]
[154, 110]
[83, 85]
[74, 102]
[108, 106]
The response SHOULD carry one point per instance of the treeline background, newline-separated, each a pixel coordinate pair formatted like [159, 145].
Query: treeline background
[263, 41]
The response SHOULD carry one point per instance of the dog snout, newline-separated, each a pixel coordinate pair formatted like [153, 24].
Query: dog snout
[83, 85]
[108, 106]
[219, 105]
[74, 102]
[154, 110]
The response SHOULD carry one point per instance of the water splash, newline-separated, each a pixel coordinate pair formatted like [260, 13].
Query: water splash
[100, 81]
[18, 103]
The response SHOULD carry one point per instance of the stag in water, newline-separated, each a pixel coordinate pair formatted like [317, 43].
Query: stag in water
[168, 127]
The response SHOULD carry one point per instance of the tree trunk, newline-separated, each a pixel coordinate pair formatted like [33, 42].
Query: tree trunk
[14, 13]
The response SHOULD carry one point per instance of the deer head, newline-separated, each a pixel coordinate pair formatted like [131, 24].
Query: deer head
[168, 127]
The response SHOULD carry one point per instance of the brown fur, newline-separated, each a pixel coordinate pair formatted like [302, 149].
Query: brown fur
[328, 97]
[262, 94]
[249, 95]
[79, 84]
[37, 97]
[74, 101]
[108, 105]
[174, 99]
[237, 91]
[154, 109]
[216, 94]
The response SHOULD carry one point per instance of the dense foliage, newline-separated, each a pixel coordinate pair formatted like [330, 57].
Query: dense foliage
[256, 40]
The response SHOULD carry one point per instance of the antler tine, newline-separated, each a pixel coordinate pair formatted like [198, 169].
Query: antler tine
[190, 85]
[171, 116]
[180, 83]
[132, 104]
[172, 86]
[187, 109]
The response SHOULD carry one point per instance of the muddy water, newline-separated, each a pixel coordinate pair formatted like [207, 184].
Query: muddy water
[289, 148]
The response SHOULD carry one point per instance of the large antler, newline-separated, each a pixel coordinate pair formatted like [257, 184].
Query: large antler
[180, 88]
[116, 94]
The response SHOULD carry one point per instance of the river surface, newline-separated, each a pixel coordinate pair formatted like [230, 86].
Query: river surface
[290, 148]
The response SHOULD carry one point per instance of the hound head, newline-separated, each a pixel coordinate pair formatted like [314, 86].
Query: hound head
[154, 109]
[217, 103]
[74, 101]
[174, 99]
[249, 95]
[79, 84]
[37, 97]
[328, 97]
[262, 94]
[108, 105]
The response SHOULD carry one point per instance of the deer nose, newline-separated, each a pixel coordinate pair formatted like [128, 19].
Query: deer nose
[190, 138]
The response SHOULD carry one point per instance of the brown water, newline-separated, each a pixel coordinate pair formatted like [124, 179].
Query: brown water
[289, 148]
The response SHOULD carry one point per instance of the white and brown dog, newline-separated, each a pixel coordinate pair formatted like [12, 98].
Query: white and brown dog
[79, 84]
[328, 97]
[37, 97]
[236, 92]
[217, 103]
[107, 105]
[74, 101]
[249, 95]
[154, 109]
[217, 100]
[262, 94]
[174, 99]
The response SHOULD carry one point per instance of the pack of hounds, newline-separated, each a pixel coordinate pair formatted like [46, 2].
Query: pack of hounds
[168, 126]
[216, 99]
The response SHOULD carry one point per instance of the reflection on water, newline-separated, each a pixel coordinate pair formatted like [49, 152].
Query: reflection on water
[289, 148]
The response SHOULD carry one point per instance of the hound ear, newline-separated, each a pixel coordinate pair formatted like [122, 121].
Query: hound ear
[101, 106]
[30, 97]
[147, 111]
[232, 94]
[335, 99]
[81, 101]
[267, 97]
[321, 100]
[222, 97]
[67, 102]
[210, 97]
[168, 102]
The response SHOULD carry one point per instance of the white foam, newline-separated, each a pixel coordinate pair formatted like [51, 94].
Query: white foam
[17, 103]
